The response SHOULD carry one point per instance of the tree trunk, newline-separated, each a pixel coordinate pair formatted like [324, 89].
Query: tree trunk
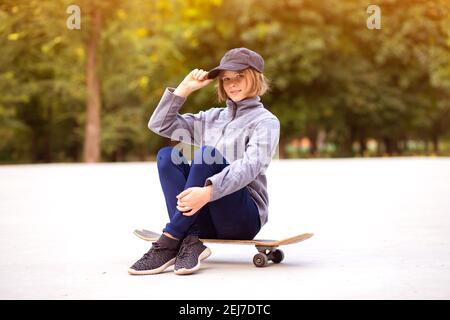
[380, 147]
[387, 146]
[435, 141]
[282, 147]
[347, 143]
[402, 146]
[48, 156]
[362, 146]
[312, 136]
[93, 103]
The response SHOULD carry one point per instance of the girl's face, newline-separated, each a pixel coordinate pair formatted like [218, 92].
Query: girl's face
[235, 84]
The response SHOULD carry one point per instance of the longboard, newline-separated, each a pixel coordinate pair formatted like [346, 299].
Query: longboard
[267, 249]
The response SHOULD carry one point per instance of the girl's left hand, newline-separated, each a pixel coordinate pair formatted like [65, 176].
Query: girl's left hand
[193, 199]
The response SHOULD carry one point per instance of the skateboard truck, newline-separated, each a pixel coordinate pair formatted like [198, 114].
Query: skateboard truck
[267, 254]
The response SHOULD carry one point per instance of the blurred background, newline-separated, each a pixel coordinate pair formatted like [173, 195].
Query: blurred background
[339, 88]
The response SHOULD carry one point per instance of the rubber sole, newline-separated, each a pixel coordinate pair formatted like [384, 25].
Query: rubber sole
[169, 263]
[204, 255]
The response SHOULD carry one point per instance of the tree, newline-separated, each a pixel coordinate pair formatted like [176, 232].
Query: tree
[93, 101]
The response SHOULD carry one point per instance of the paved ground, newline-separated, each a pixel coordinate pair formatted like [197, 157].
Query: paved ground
[382, 231]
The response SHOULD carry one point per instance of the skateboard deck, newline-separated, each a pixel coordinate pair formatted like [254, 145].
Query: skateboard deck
[267, 248]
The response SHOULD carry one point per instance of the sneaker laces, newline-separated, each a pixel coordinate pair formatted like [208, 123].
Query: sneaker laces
[156, 246]
[185, 251]
[186, 248]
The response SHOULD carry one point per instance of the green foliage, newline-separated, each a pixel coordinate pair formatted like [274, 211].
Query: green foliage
[330, 75]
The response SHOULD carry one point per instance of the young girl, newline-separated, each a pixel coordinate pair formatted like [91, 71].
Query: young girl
[223, 193]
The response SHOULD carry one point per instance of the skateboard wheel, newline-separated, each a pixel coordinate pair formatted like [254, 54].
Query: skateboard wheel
[260, 260]
[278, 256]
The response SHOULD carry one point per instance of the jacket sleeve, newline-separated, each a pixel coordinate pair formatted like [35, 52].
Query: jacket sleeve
[258, 153]
[168, 122]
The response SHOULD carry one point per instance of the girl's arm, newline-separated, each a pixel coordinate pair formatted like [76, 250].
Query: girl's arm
[166, 119]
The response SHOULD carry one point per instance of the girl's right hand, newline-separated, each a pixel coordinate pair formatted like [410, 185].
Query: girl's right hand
[195, 80]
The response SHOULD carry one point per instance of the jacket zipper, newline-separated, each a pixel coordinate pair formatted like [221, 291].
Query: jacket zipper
[226, 125]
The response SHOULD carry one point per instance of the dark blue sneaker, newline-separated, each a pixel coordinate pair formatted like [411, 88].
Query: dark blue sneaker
[161, 255]
[192, 251]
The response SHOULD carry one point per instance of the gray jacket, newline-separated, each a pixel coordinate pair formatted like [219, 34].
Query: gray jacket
[244, 132]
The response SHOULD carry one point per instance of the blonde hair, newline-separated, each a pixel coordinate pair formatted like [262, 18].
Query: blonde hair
[259, 84]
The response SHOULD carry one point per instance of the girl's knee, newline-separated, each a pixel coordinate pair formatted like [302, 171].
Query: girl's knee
[169, 156]
[164, 154]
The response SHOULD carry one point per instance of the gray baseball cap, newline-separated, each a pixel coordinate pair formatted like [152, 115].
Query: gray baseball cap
[238, 59]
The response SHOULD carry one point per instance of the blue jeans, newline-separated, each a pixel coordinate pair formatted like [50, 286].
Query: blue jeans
[234, 216]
